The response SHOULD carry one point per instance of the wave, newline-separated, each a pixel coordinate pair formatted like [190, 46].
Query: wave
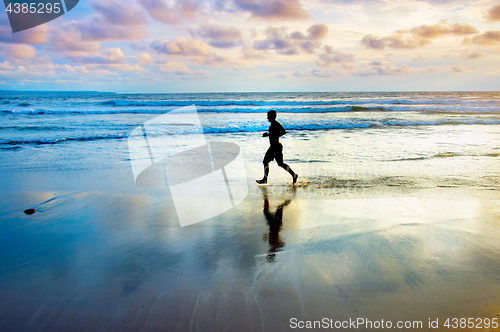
[448, 155]
[267, 103]
[249, 128]
[346, 124]
[180, 103]
[11, 148]
[282, 109]
[15, 143]
[33, 128]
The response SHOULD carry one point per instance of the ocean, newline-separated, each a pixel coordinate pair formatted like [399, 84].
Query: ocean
[407, 139]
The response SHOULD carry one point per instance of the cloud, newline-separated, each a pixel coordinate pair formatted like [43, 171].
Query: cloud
[145, 58]
[139, 46]
[181, 47]
[316, 31]
[181, 70]
[123, 13]
[219, 36]
[249, 53]
[197, 51]
[161, 11]
[214, 59]
[418, 36]
[76, 69]
[494, 14]
[175, 67]
[297, 73]
[325, 73]
[486, 38]
[18, 51]
[70, 42]
[330, 56]
[266, 9]
[278, 40]
[391, 70]
[34, 36]
[78, 38]
[462, 69]
[109, 56]
[6, 67]
[474, 55]
[98, 29]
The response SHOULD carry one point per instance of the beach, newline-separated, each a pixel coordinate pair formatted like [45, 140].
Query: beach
[395, 217]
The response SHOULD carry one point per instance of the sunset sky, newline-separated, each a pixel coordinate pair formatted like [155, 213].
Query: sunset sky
[258, 45]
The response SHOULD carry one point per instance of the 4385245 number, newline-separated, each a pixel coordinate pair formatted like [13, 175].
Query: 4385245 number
[32, 8]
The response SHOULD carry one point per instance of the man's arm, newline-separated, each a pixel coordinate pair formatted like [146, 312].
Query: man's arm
[282, 130]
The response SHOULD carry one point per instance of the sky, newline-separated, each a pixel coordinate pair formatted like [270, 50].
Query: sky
[161, 46]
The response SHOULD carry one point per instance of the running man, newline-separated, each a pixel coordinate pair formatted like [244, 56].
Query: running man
[275, 150]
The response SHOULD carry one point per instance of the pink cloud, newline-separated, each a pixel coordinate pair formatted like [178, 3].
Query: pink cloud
[181, 47]
[19, 51]
[474, 55]
[176, 68]
[462, 69]
[494, 14]
[34, 36]
[271, 9]
[6, 66]
[109, 56]
[486, 38]
[145, 58]
[161, 11]
[418, 36]
[316, 31]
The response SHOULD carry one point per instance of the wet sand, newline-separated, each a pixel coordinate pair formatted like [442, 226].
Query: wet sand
[100, 261]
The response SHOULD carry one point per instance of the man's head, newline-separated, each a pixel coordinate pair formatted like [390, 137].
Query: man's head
[271, 115]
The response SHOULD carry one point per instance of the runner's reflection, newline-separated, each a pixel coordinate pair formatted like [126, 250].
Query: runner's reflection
[275, 221]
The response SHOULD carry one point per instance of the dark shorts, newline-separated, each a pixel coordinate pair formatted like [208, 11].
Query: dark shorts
[275, 152]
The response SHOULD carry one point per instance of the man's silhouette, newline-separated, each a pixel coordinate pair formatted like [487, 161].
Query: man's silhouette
[275, 150]
[275, 221]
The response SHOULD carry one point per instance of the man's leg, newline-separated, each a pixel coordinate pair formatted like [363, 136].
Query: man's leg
[279, 160]
[266, 173]
[267, 159]
[289, 170]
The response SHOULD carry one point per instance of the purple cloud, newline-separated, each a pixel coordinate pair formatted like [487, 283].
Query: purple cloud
[330, 56]
[265, 9]
[218, 36]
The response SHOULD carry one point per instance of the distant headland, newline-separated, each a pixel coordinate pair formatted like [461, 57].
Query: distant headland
[21, 92]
